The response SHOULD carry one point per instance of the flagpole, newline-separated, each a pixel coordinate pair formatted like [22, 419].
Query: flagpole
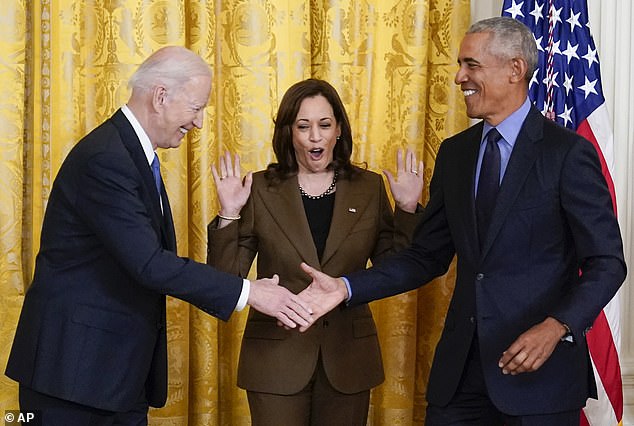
[549, 111]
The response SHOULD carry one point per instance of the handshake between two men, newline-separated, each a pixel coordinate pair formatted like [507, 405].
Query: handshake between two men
[322, 295]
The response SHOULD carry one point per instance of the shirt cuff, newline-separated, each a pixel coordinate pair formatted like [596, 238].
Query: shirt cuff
[244, 295]
[347, 282]
[568, 336]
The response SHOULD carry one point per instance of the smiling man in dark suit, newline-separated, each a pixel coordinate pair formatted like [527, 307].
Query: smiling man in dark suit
[90, 346]
[522, 203]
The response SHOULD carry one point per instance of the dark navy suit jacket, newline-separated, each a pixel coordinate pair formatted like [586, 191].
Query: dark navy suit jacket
[92, 327]
[553, 217]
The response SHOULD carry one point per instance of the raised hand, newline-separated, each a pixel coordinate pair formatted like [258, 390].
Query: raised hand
[268, 297]
[233, 191]
[407, 186]
[323, 294]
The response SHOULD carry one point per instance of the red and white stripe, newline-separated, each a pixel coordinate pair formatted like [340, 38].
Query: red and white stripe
[604, 339]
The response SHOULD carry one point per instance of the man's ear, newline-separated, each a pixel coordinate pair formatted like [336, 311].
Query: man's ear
[519, 68]
[159, 96]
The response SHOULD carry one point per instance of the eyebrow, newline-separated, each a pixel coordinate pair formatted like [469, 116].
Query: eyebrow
[468, 60]
[321, 119]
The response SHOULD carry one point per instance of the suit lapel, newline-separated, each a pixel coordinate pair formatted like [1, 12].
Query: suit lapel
[162, 222]
[462, 188]
[522, 159]
[350, 202]
[284, 203]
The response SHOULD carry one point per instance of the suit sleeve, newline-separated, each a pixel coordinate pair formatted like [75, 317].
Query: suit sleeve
[109, 196]
[587, 205]
[395, 229]
[428, 256]
[233, 248]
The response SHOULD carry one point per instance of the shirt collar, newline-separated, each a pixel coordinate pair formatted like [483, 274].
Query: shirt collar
[146, 144]
[510, 127]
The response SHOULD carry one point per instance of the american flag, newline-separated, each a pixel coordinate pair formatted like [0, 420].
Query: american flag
[566, 87]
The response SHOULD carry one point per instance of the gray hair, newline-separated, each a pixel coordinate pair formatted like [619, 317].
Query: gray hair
[509, 39]
[170, 65]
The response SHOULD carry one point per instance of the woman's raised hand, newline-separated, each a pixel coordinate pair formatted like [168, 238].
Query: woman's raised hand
[407, 185]
[233, 191]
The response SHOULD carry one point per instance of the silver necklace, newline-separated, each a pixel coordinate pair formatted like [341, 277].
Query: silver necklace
[328, 190]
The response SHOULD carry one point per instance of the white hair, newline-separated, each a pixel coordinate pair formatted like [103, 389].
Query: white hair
[510, 38]
[171, 65]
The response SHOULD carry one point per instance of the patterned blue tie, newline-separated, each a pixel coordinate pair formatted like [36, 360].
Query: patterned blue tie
[488, 183]
[156, 171]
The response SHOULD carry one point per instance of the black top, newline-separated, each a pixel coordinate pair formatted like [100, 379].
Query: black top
[319, 215]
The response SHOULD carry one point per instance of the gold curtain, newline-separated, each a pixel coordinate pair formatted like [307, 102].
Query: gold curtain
[64, 65]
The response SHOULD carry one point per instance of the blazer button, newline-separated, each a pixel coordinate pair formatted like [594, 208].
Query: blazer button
[479, 276]
[472, 320]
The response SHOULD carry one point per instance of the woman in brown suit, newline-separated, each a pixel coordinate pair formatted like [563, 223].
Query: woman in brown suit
[311, 206]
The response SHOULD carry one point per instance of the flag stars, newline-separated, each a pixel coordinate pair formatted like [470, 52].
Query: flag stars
[551, 82]
[573, 20]
[588, 87]
[568, 84]
[534, 78]
[566, 115]
[557, 87]
[538, 42]
[515, 10]
[591, 56]
[555, 15]
[555, 48]
[537, 12]
[571, 51]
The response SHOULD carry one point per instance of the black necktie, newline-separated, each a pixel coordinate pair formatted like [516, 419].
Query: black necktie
[488, 183]
[156, 171]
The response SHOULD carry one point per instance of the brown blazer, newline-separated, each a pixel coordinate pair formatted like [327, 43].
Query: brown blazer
[274, 226]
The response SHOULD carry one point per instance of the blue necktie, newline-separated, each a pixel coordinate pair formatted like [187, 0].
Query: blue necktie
[488, 183]
[156, 171]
